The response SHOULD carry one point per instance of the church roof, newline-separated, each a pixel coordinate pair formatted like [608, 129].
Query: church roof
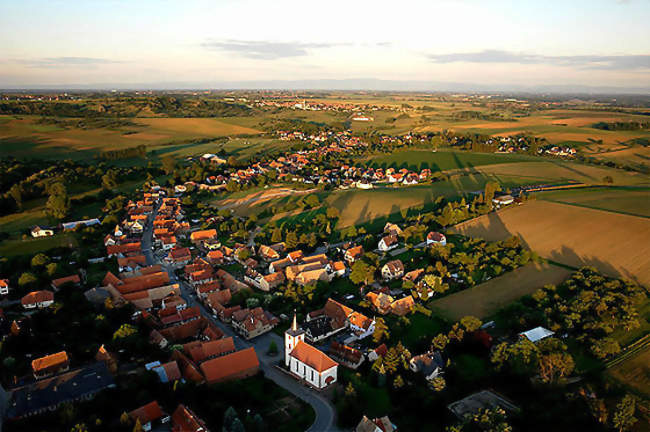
[312, 357]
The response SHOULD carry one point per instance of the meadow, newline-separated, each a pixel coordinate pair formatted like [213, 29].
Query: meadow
[442, 160]
[487, 298]
[616, 244]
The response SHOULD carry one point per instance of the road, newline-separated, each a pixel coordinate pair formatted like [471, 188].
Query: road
[325, 413]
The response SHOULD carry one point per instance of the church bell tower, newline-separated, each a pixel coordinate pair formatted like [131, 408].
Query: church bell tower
[291, 339]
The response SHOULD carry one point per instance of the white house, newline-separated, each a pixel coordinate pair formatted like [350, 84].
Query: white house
[364, 184]
[387, 243]
[503, 200]
[306, 362]
[436, 238]
[4, 286]
[41, 232]
[392, 270]
[537, 334]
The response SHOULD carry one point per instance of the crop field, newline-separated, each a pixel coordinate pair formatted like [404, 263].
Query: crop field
[24, 136]
[632, 201]
[442, 160]
[616, 244]
[487, 298]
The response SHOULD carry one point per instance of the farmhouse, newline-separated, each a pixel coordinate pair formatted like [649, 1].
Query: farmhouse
[536, 334]
[503, 200]
[38, 231]
[237, 365]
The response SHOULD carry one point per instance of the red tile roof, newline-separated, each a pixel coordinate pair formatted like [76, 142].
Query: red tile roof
[312, 357]
[232, 366]
[147, 413]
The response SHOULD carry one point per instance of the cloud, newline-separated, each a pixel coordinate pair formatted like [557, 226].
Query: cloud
[264, 50]
[614, 62]
[57, 62]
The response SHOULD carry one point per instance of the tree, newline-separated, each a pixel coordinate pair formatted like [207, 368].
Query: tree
[608, 179]
[398, 382]
[554, 366]
[125, 331]
[291, 240]
[470, 323]
[39, 260]
[276, 237]
[438, 383]
[51, 269]
[440, 341]
[490, 188]
[125, 419]
[362, 272]
[109, 180]
[332, 213]
[16, 192]
[79, 427]
[58, 203]
[273, 348]
[168, 164]
[138, 426]
[27, 279]
[381, 330]
[350, 391]
[232, 161]
[605, 347]
[623, 418]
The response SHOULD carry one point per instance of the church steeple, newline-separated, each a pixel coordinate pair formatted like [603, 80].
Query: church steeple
[292, 337]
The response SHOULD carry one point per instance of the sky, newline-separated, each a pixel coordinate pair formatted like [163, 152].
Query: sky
[600, 43]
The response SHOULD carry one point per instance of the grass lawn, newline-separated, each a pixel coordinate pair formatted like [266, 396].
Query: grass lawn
[32, 246]
[419, 333]
[470, 367]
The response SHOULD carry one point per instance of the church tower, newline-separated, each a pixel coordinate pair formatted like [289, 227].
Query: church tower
[291, 339]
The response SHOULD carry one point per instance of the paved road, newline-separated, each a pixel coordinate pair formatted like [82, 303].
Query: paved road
[325, 413]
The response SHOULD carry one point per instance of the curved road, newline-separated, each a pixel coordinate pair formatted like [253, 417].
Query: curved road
[325, 412]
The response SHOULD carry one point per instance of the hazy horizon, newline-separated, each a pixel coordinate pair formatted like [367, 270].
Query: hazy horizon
[113, 43]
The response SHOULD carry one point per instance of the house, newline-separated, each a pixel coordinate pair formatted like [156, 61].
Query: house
[199, 236]
[49, 365]
[72, 280]
[402, 306]
[380, 302]
[436, 238]
[429, 364]
[200, 351]
[312, 276]
[267, 253]
[38, 231]
[184, 420]
[353, 254]
[503, 200]
[382, 424]
[168, 372]
[392, 270]
[361, 325]
[537, 334]
[346, 355]
[380, 351]
[251, 323]
[238, 365]
[38, 299]
[50, 393]
[307, 362]
[149, 415]
[387, 243]
[4, 286]
[179, 256]
[337, 268]
[364, 184]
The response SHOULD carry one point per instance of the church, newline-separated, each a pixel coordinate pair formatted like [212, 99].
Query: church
[307, 362]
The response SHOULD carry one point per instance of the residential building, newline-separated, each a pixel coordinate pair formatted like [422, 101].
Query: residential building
[392, 270]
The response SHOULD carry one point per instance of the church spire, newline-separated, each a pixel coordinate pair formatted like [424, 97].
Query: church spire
[294, 325]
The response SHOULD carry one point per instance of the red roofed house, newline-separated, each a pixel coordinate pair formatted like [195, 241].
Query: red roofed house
[38, 299]
[199, 236]
[353, 254]
[436, 238]
[307, 362]
[50, 365]
[184, 420]
[58, 283]
[149, 415]
[388, 243]
[4, 286]
[392, 270]
[179, 256]
[238, 365]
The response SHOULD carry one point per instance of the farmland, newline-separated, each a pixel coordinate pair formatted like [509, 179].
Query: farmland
[616, 244]
[26, 136]
[632, 201]
[442, 160]
[634, 372]
[487, 298]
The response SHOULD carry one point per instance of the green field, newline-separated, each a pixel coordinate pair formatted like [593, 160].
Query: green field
[632, 201]
[32, 246]
[487, 298]
[443, 160]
